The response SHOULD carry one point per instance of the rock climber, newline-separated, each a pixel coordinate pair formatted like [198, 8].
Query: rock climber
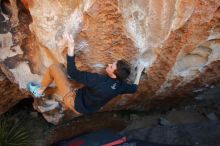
[98, 89]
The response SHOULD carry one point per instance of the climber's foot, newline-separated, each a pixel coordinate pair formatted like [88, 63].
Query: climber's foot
[34, 89]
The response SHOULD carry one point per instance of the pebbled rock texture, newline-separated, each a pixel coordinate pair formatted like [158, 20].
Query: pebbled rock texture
[178, 40]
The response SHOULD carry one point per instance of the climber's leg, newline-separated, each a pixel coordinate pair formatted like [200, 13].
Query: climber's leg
[57, 73]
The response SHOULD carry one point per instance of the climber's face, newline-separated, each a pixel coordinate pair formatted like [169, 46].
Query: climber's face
[110, 69]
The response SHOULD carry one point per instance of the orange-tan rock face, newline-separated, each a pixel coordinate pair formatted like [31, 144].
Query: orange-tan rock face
[178, 40]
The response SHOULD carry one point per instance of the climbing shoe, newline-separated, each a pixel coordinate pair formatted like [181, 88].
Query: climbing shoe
[33, 88]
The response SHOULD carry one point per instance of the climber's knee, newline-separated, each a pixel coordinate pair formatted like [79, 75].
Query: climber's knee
[55, 66]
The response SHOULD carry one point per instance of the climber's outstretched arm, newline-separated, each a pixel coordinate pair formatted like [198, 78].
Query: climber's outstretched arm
[87, 78]
[140, 69]
[71, 45]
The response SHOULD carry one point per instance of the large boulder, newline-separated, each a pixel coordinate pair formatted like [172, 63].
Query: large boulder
[177, 40]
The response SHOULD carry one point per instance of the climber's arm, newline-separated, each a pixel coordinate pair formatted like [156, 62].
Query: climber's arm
[87, 78]
[71, 44]
[140, 69]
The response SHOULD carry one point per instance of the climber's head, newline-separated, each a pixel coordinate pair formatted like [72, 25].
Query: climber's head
[118, 70]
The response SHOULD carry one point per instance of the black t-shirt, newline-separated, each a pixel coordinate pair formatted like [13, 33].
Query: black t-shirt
[98, 90]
